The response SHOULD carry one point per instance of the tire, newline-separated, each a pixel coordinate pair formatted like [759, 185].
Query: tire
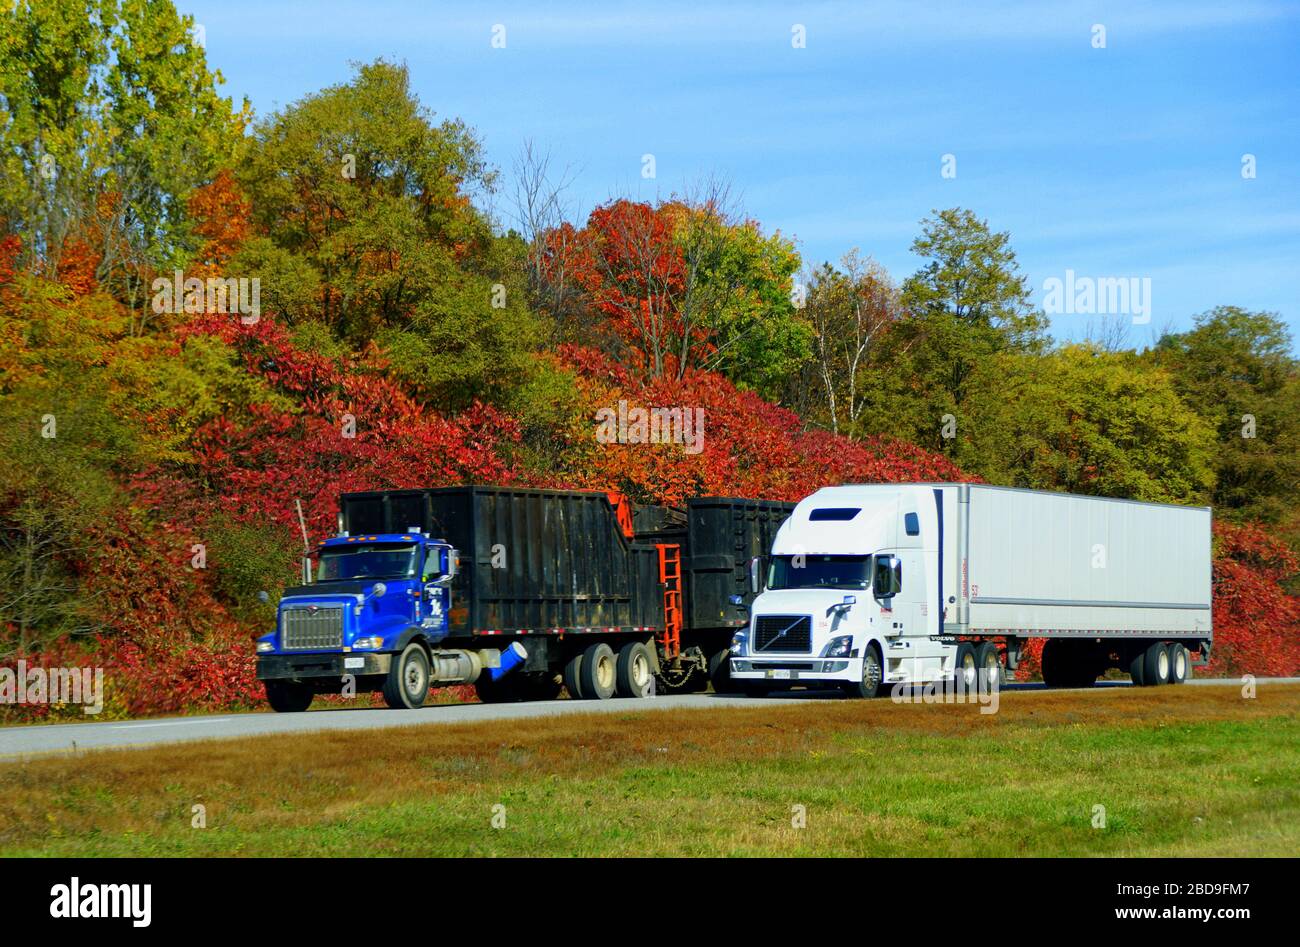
[873, 676]
[633, 674]
[965, 664]
[1058, 663]
[572, 676]
[989, 663]
[1137, 669]
[289, 697]
[720, 673]
[1179, 663]
[1155, 664]
[599, 672]
[407, 683]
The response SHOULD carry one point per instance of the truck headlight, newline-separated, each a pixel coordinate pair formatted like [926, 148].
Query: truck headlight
[738, 643]
[839, 647]
[371, 643]
[264, 646]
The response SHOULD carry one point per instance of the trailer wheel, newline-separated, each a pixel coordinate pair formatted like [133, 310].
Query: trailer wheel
[1057, 665]
[988, 663]
[1178, 662]
[1137, 668]
[573, 676]
[966, 668]
[599, 672]
[1155, 664]
[289, 697]
[407, 683]
[873, 675]
[633, 675]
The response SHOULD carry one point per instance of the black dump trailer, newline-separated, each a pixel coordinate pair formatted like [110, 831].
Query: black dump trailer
[605, 598]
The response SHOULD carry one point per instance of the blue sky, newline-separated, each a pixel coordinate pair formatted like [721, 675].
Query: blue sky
[1116, 162]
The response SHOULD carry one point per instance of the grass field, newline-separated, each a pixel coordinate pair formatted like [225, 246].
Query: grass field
[1180, 771]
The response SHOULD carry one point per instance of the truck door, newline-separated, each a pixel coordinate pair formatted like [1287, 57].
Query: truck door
[907, 611]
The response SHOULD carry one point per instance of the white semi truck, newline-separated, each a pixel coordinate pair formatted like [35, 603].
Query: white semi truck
[872, 586]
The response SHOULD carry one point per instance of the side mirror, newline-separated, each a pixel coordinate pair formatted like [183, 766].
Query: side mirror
[736, 600]
[263, 597]
[849, 600]
[378, 590]
[755, 567]
[888, 578]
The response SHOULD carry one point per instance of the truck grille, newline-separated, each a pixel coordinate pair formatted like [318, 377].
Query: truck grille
[312, 628]
[783, 633]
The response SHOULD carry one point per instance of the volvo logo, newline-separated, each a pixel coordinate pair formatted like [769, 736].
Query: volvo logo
[782, 633]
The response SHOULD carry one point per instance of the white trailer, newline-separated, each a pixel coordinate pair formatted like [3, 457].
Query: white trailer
[874, 585]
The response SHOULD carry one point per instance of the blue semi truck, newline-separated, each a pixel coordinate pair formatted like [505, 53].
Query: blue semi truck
[523, 593]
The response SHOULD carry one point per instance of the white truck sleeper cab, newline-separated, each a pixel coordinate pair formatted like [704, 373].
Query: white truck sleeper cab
[877, 585]
[846, 601]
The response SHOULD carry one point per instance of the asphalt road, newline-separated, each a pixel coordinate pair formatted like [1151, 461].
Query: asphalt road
[17, 743]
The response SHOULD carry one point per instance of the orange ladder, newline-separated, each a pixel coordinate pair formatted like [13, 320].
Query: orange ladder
[670, 577]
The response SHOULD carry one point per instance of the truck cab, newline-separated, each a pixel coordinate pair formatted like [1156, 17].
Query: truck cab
[372, 597]
[849, 596]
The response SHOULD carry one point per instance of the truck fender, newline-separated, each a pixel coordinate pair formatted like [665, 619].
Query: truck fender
[409, 634]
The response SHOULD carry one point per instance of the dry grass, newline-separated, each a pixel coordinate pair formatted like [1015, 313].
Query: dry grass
[1180, 771]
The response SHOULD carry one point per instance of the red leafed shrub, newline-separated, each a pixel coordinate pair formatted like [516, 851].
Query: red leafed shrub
[1256, 623]
[356, 430]
[749, 447]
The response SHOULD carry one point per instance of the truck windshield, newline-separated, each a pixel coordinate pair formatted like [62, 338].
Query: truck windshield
[819, 572]
[369, 561]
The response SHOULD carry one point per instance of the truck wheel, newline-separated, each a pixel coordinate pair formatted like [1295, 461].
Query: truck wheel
[873, 675]
[288, 697]
[720, 672]
[1178, 662]
[407, 683]
[599, 672]
[1155, 664]
[573, 676]
[1137, 669]
[966, 668]
[1057, 666]
[633, 673]
[988, 663]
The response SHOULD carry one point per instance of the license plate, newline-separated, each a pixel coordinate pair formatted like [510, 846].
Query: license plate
[350, 663]
[780, 674]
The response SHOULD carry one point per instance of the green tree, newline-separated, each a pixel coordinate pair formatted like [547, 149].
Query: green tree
[109, 118]
[967, 304]
[367, 226]
[1236, 370]
[1088, 421]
